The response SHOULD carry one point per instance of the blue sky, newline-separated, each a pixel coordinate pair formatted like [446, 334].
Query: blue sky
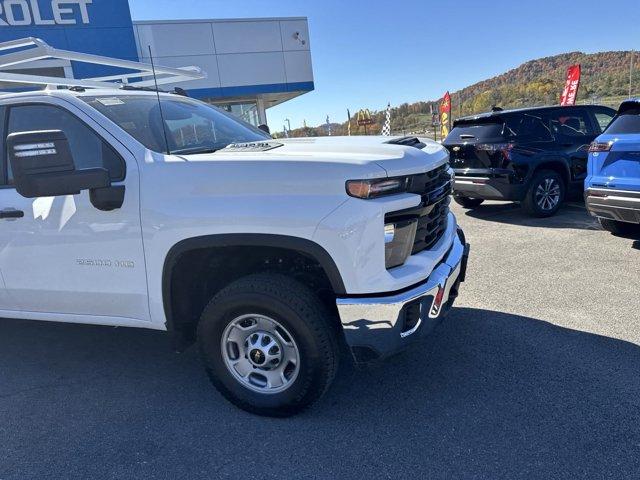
[368, 53]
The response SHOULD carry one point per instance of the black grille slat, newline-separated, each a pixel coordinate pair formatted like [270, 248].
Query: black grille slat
[427, 182]
[431, 227]
[435, 188]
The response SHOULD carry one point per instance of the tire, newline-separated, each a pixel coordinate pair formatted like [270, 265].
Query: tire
[545, 194]
[295, 319]
[467, 202]
[619, 228]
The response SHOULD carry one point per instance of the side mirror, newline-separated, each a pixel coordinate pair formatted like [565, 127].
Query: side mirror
[43, 166]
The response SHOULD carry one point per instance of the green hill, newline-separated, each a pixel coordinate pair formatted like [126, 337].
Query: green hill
[605, 80]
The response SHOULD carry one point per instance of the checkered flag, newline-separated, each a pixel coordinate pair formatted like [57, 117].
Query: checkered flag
[386, 129]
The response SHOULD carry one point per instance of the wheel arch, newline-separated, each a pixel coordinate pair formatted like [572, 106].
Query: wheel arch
[559, 165]
[224, 242]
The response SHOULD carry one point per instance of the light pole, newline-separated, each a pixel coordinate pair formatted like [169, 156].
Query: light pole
[288, 123]
[633, 52]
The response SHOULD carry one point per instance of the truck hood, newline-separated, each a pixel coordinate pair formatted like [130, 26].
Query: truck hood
[370, 156]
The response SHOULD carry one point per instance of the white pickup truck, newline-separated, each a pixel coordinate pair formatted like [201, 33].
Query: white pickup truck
[122, 208]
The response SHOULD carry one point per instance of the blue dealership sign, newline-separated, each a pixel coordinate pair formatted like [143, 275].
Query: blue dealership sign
[101, 27]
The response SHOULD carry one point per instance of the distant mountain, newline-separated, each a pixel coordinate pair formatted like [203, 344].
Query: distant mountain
[605, 79]
[605, 75]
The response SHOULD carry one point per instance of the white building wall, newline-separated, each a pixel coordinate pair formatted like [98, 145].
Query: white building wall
[234, 53]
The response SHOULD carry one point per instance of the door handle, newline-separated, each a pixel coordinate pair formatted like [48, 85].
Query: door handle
[11, 214]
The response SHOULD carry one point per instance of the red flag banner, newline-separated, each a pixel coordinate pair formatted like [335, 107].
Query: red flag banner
[570, 92]
[445, 115]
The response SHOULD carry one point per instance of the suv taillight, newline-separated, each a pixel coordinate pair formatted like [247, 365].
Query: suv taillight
[600, 147]
[504, 148]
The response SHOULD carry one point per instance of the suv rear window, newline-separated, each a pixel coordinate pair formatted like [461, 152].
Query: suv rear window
[480, 130]
[521, 127]
[629, 122]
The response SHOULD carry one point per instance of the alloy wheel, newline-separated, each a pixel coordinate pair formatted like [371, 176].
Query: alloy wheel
[547, 194]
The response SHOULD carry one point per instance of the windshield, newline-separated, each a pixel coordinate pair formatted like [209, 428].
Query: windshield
[190, 126]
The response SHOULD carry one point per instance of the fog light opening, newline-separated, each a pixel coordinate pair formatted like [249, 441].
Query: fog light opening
[398, 240]
[389, 232]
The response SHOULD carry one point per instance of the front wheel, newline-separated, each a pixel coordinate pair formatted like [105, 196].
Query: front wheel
[467, 202]
[545, 194]
[268, 345]
[619, 228]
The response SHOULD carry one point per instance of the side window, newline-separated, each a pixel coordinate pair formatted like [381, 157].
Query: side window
[570, 123]
[88, 149]
[603, 119]
[528, 128]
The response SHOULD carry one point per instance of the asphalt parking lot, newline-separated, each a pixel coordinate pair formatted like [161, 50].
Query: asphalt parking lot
[535, 374]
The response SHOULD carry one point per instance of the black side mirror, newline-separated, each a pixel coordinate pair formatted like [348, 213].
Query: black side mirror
[43, 166]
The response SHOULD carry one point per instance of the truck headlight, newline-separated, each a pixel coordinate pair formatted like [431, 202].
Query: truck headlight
[398, 242]
[377, 188]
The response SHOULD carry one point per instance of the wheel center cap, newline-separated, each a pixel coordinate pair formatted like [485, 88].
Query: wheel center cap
[257, 356]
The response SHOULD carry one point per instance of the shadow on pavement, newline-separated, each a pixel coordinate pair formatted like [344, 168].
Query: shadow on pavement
[489, 395]
[571, 215]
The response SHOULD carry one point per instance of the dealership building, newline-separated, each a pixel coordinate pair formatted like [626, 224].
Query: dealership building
[250, 64]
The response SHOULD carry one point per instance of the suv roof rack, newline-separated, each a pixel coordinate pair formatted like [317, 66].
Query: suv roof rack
[139, 75]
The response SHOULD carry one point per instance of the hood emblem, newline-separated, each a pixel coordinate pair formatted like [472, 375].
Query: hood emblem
[456, 149]
[253, 146]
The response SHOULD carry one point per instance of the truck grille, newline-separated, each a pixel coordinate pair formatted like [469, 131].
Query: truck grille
[433, 212]
[431, 226]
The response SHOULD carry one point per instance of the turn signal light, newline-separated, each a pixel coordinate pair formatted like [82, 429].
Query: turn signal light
[437, 302]
[600, 147]
[377, 188]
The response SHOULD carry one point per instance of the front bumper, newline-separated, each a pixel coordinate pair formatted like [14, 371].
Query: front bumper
[620, 205]
[379, 326]
[488, 184]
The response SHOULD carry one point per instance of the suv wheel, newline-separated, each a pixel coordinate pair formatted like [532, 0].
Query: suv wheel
[545, 194]
[467, 202]
[619, 228]
[268, 345]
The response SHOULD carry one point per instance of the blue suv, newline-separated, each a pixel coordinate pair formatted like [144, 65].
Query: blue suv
[612, 186]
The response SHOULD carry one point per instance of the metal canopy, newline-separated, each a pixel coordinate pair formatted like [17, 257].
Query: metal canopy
[32, 49]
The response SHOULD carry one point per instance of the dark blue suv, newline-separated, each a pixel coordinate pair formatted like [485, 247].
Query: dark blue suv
[612, 187]
[536, 156]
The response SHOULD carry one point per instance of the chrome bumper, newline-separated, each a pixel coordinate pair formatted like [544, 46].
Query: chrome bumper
[620, 205]
[380, 325]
